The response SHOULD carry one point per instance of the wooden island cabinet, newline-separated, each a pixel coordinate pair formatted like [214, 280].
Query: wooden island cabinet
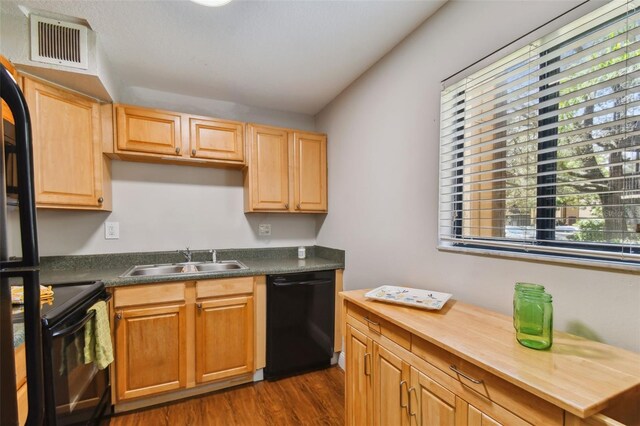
[462, 366]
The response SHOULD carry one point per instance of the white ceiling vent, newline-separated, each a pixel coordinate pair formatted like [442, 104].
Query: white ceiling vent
[58, 42]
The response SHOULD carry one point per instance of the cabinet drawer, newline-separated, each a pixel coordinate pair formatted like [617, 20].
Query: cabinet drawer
[380, 326]
[148, 294]
[224, 287]
[489, 389]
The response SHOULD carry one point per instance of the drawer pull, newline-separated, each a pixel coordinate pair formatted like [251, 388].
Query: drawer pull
[367, 365]
[403, 383]
[410, 409]
[471, 379]
[377, 324]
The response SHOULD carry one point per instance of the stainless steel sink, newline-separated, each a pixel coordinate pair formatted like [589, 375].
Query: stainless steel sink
[224, 265]
[183, 268]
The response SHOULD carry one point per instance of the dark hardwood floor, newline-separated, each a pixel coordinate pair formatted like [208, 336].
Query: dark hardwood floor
[315, 398]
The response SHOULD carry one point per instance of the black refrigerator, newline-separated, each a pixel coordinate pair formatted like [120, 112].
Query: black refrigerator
[17, 189]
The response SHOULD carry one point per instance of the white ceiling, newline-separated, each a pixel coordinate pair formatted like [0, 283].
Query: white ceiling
[284, 55]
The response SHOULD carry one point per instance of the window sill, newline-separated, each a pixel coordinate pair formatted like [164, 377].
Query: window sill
[613, 266]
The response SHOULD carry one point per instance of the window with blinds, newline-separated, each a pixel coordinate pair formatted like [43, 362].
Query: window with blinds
[540, 151]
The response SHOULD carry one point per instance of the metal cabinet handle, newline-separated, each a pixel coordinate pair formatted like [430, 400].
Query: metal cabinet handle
[403, 383]
[286, 206]
[193, 152]
[118, 316]
[177, 150]
[199, 306]
[471, 379]
[410, 409]
[100, 200]
[367, 365]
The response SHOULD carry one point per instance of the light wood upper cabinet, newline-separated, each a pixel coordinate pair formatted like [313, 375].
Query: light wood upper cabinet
[148, 131]
[286, 171]
[267, 174]
[6, 112]
[216, 139]
[310, 172]
[150, 350]
[69, 168]
[153, 135]
[224, 338]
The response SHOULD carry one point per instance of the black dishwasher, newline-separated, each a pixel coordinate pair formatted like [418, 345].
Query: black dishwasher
[300, 322]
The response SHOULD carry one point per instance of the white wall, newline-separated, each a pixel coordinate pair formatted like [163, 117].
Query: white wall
[214, 108]
[383, 179]
[165, 207]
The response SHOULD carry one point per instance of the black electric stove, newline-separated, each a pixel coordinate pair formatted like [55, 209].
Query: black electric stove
[74, 392]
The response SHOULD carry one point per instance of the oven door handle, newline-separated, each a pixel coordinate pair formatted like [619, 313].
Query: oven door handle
[74, 328]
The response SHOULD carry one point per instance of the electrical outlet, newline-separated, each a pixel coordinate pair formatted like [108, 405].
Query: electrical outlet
[111, 230]
[264, 229]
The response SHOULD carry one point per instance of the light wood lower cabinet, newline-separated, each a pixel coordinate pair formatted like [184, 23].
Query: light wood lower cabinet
[429, 402]
[151, 350]
[224, 338]
[172, 337]
[390, 387]
[385, 385]
[395, 376]
[358, 378]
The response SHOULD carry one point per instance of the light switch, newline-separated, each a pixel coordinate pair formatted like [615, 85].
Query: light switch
[111, 230]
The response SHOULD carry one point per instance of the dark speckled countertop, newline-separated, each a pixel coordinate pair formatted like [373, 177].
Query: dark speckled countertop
[259, 261]
[109, 267]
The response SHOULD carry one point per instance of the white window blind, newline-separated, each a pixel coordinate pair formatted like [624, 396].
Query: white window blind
[540, 151]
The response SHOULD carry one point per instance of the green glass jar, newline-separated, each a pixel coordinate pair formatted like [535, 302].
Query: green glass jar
[520, 287]
[534, 320]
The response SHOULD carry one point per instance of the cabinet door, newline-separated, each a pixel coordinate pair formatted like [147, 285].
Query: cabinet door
[150, 350]
[66, 147]
[390, 378]
[469, 415]
[430, 403]
[310, 172]
[358, 378]
[148, 131]
[475, 417]
[268, 169]
[216, 139]
[224, 338]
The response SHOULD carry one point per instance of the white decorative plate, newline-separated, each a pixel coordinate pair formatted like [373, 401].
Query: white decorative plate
[425, 299]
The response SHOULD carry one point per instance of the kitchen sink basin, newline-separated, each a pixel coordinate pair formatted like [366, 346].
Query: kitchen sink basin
[183, 268]
[224, 265]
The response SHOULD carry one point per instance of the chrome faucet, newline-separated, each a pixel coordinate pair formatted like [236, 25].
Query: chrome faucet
[214, 256]
[186, 253]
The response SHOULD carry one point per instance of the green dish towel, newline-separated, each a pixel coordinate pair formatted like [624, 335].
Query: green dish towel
[97, 337]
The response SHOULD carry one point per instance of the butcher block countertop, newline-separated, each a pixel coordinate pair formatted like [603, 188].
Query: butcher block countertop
[580, 376]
